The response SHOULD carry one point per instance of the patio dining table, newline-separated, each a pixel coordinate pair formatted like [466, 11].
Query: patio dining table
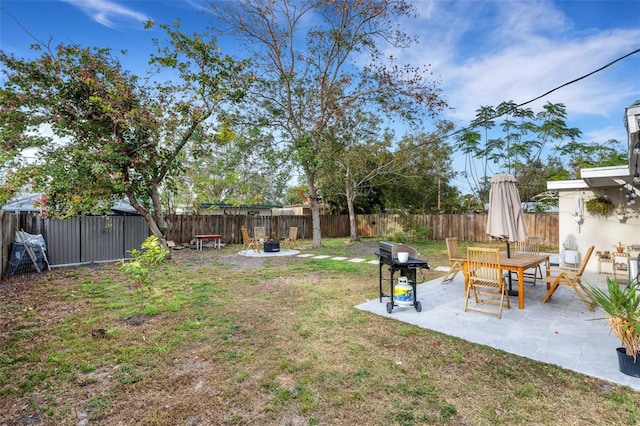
[518, 262]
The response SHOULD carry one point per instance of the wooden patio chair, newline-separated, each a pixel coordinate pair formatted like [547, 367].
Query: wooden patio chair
[486, 280]
[573, 280]
[291, 240]
[455, 260]
[249, 242]
[530, 246]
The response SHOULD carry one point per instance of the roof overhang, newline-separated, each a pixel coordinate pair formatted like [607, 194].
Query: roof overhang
[604, 177]
[599, 177]
[566, 184]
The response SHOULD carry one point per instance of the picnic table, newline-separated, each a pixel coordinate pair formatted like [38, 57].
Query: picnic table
[201, 239]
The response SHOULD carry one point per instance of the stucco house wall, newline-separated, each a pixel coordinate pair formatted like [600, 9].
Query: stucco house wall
[618, 183]
[602, 232]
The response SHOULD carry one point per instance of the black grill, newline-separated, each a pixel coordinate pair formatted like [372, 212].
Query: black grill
[388, 255]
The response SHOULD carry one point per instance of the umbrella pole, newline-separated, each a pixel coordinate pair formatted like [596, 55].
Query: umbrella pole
[512, 292]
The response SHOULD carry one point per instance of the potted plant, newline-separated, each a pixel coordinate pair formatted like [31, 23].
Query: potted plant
[600, 206]
[619, 247]
[622, 305]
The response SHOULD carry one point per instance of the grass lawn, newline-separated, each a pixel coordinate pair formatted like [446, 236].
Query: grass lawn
[222, 339]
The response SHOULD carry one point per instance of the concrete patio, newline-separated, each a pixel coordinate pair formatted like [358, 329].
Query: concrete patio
[561, 332]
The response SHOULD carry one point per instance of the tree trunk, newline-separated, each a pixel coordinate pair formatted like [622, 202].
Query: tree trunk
[153, 225]
[315, 211]
[353, 229]
[158, 214]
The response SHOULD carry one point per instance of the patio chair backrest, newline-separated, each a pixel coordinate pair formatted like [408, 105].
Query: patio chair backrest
[531, 245]
[484, 264]
[452, 248]
[245, 235]
[585, 260]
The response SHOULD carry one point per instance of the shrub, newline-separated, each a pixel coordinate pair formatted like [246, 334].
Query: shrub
[143, 264]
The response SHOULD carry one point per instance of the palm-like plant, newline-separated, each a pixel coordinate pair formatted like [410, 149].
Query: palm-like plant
[621, 303]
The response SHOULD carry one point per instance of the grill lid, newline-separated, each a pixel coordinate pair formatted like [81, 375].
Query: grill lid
[390, 249]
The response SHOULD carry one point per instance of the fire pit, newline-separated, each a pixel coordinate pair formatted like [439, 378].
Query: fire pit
[402, 292]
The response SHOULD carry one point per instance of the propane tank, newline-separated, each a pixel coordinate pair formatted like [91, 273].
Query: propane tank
[403, 292]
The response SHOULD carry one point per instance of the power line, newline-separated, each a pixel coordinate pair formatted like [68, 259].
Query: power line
[546, 93]
[580, 78]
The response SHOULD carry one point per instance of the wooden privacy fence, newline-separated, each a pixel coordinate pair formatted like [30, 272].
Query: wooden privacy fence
[183, 228]
[90, 240]
[466, 227]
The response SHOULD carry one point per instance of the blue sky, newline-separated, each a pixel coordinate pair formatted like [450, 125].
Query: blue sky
[483, 52]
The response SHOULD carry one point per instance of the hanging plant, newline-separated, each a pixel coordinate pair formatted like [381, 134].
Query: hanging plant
[600, 206]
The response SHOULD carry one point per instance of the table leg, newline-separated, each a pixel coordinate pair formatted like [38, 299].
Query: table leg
[521, 288]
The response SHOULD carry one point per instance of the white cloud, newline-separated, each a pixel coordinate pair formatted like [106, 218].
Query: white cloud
[106, 12]
[488, 52]
[526, 71]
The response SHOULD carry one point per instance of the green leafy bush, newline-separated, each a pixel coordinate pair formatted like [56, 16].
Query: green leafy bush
[143, 264]
[423, 232]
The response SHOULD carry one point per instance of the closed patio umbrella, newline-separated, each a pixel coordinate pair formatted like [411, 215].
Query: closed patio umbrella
[505, 220]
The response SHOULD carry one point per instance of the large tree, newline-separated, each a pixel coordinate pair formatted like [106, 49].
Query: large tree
[579, 155]
[357, 158]
[535, 147]
[317, 59]
[244, 170]
[519, 146]
[424, 169]
[98, 134]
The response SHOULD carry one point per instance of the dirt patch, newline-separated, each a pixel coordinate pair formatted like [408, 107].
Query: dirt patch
[136, 320]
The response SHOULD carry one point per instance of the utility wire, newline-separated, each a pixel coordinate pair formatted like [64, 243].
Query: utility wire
[544, 94]
[583, 77]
